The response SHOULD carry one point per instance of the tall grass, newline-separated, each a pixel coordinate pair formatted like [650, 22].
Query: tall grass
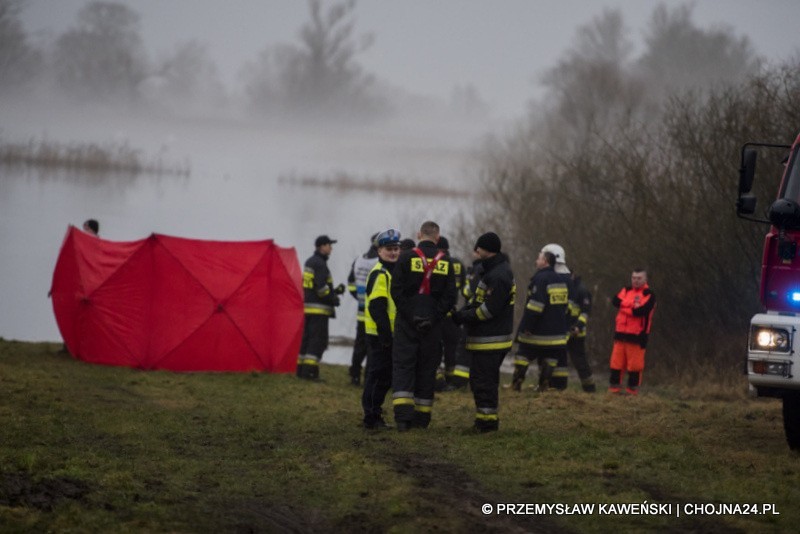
[86, 157]
[94, 449]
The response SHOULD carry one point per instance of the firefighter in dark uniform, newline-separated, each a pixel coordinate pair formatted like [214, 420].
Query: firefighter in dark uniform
[542, 332]
[379, 315]
[356, 285]
[576, 345]
[424, 291]
[452, 334]
[489, 320]
[558, 376]
[320, 302]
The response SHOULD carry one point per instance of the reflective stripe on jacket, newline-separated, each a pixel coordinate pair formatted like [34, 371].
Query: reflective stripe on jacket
[378, 286]
[318, 293]
[489, 316]
[357, 280]
[545, 321]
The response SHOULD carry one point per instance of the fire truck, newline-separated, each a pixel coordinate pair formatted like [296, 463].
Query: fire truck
[773, 350]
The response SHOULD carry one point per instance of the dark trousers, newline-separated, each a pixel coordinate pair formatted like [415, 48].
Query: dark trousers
[550, 360]
[576, 347]
[359, 350]
[313, 345]
[415, 357]
[484, 380]
[378, 379]
[451, 334]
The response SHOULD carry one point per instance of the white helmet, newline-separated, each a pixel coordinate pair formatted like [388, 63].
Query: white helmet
[557, 251]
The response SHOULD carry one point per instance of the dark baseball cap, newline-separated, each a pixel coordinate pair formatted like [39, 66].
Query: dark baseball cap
[323, 240]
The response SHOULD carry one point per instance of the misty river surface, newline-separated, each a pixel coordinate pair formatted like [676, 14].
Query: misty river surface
[244, 184]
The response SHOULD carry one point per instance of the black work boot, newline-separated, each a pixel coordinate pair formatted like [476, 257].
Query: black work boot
[519, 377]
[378, 424]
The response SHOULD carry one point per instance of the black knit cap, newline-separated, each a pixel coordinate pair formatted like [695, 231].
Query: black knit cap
[323, 240]
[489, 242]
[443, 243]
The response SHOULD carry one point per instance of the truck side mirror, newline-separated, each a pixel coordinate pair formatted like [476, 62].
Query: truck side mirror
[746, 205]
[747, 171]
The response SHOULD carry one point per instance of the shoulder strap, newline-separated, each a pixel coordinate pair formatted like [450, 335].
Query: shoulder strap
[428, 268]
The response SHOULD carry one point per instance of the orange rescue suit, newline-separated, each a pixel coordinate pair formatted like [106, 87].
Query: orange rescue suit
[636, 307]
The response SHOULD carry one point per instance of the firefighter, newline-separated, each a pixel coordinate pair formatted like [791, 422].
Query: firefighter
[424, 291]
[543, 329]
[450, 377]
[356, 285]
[379, 314]
[559, 376]
[636, 304]
[489, 320]
[460, 377]
[320, 302]
[576, 344]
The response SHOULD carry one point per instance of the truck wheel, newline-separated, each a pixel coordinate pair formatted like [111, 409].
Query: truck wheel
[791, 418]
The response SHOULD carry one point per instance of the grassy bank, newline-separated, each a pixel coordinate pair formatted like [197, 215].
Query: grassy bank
[92, 448]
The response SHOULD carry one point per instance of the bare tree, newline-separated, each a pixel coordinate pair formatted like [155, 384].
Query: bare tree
[624, 173]
[321, 74]
[19, 61]
[681, 56]
[103, 56]
[187, 78]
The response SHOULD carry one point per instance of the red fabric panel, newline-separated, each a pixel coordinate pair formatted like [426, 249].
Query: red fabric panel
[181, 304]
[285, 320]
[114, 317]
[215, 346]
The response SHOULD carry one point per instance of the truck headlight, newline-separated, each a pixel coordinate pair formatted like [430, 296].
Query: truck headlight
[770, 339]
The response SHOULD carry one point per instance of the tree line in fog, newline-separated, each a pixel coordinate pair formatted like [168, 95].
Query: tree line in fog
[102, 58]
[633, 162]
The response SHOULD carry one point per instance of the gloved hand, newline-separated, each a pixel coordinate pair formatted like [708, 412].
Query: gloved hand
[335, 300]
[339, 290]
[422, 324]
[386, 341]
[460, 316]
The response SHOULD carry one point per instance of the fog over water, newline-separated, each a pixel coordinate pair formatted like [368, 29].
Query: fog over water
[245, 172]
[241, 187]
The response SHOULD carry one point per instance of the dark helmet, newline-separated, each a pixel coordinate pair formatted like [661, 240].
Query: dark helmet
[389, 237]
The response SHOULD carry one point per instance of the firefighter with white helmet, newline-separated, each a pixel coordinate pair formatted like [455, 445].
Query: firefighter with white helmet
[580, 304]
[544, 328]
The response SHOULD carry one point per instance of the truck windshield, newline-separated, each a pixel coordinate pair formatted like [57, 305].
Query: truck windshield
[791, 183]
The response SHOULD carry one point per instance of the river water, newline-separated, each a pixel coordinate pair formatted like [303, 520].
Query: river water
[245, 182]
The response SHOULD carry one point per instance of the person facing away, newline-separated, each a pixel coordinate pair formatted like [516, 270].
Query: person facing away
[576, 345]
[91, 226]
[379, 317]
[320, 302]
[424, 291]
[636, 304]
[542, 331]
[357, 286]
[489, 320]
[451, 376]
[558, 376]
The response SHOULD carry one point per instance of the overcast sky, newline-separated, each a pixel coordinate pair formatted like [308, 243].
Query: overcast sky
[427, 46]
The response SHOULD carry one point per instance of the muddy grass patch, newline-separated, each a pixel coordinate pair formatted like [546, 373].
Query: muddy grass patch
[447, 486]
[20, 489]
